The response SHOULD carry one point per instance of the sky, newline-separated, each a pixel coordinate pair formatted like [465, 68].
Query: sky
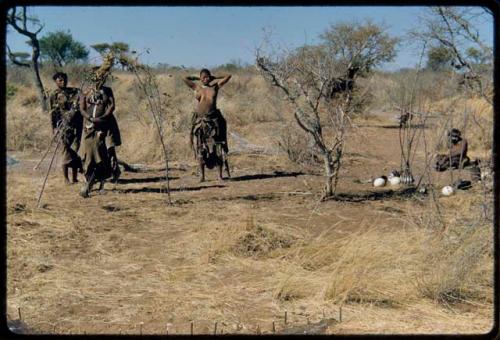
[205, 36]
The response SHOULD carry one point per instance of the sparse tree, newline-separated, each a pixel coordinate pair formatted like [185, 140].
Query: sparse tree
[319, 82]
[19, 20]
[61, 49]
[452, 28]
[439, 59]
[116, 48]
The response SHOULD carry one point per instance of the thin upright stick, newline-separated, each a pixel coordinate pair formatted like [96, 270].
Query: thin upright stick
[48, 171]
[47, 151]
[153, 107]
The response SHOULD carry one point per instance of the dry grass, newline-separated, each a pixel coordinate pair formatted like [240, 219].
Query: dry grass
[243, 252]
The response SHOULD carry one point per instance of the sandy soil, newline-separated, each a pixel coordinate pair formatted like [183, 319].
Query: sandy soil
[124, 261]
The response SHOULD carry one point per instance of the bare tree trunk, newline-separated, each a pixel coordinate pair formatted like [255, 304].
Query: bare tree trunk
[38, 80]
[329, 173]
[20, 23]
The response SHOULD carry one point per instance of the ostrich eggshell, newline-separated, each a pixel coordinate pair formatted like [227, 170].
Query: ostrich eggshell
[379, 182]
[395, 180]
[448, 190]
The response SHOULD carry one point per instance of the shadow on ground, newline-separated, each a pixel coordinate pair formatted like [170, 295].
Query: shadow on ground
[144, 180]
[164, 191]
[375, 196]
[276, 174]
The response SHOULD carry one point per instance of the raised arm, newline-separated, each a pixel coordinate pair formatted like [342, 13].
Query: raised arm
[190, 81]
[224, 80]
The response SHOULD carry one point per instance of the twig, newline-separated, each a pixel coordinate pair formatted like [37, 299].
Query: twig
[48, 149]
[47, 175]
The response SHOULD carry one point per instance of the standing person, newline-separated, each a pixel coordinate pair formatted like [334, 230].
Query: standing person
[67, 121]
[208, 125]
[97, 106]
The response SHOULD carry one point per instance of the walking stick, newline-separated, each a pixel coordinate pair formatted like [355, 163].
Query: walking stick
[48, 171]
[48, 149]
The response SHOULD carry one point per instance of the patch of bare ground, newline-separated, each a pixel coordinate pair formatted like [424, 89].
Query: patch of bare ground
[244, 252]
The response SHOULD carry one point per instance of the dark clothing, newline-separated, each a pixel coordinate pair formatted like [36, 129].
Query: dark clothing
[65, 115]
[455, 159]
[95, 156]
[210, 132]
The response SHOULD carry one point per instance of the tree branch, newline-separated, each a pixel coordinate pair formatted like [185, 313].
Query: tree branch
[14, 60]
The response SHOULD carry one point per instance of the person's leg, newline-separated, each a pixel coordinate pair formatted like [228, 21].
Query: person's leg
[113, 158]
[75, 174]
[219, 168]
[201, 165]
[226, 165]
[65, 173]
[89, 182]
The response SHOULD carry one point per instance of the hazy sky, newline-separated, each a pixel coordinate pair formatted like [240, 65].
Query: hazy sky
[209, 36]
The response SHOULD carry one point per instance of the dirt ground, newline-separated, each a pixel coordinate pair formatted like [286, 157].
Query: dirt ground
[124, 261]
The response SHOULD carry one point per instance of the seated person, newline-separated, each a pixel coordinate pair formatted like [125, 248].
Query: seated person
[457, 154]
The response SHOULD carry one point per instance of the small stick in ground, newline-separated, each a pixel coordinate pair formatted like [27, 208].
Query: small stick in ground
[215, 328]
[19, 313]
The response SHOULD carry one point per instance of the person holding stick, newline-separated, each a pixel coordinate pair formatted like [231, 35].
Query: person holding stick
[67, 124]
[208, 125]
[97, 105]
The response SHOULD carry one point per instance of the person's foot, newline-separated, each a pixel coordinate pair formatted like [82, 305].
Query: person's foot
[75, 181]
[66, 181]
[84, 192]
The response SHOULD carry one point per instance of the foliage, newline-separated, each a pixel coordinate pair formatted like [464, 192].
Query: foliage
[319, 82]
[116, 48]
[439, 58]
[61, 49]
[10, 91]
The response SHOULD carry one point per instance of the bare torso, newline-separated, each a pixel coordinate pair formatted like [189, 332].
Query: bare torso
[207, 98]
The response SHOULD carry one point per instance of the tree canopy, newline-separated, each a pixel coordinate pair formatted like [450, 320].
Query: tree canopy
[61, 49]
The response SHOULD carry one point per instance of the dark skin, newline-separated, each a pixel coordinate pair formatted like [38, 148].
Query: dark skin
[107, 113]
[61, 84]
[206, 95]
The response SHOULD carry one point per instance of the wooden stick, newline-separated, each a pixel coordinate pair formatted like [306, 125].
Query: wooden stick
[19, 313]
[192, 327]
[340, 313]
[286, 313]
[46, 151]
[215, 328]
[274, 328]
[140, 328]
[47, 175]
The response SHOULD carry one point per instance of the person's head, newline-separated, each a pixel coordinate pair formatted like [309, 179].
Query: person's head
[61, 79]
[454, 135]
[205, 76]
